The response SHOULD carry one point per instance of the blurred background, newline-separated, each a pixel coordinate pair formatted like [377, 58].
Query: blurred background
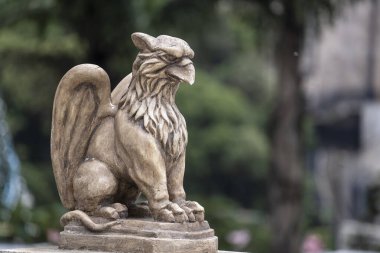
[283, 120]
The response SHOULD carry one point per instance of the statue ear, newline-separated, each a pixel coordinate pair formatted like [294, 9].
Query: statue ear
[143, 41]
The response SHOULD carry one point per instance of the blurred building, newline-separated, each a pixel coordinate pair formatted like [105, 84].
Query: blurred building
[342, 87]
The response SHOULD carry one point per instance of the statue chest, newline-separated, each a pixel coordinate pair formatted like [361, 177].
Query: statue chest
[167, 125]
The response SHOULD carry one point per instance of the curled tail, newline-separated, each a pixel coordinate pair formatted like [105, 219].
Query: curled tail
[86, 221]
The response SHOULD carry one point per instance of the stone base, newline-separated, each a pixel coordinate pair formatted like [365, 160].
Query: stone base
[143, 236]
[52, 249]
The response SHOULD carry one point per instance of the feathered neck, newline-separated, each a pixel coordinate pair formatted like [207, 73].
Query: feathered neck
[150, 102]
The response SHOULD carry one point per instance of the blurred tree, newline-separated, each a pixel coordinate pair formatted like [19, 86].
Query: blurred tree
[288, 21]
[104, 30]
[225, 143]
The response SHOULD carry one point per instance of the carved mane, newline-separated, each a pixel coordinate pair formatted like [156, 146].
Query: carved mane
[150, 102]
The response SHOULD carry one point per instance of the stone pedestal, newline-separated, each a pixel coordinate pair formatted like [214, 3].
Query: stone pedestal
[143, 236]
[52, 249]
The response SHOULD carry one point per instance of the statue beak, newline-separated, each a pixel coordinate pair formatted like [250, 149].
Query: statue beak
[184, 71]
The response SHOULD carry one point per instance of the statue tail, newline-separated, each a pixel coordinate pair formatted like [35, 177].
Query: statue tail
[86, 221]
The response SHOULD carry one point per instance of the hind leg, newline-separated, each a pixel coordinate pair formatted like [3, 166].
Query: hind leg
[128, 194]
[94, 189]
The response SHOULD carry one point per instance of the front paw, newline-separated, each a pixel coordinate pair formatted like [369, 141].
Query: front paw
[171, 213]
[194, 211]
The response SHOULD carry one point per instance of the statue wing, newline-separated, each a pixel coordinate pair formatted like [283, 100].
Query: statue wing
[120, 91]
[81, 101]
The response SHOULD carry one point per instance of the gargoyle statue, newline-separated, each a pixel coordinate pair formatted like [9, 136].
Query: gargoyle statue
[107, 148]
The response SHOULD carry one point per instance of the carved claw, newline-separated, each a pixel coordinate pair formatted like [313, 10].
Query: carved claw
[189, 213]
[108, 212]
[121, 209]
[114, 211]
[171, 213]
[164, 215]
[194, 211]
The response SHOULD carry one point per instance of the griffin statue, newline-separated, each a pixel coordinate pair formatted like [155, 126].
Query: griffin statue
[108, 148]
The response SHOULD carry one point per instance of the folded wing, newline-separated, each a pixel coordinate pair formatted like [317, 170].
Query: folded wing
[81, 101]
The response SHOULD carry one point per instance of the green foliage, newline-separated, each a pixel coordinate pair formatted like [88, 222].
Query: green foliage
[29, 225]
[41, 184]
[255, 78]
[225, 141]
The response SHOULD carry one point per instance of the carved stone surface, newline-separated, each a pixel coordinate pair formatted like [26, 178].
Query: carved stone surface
[144, 236]
[108, 148]
[51, 249]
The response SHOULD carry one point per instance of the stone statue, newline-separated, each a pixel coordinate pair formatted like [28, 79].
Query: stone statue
[107, 148]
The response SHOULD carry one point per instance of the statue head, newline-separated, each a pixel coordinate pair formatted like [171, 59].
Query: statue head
[164, 57]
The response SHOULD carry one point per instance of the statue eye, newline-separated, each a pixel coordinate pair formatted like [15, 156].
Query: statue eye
[170, 58]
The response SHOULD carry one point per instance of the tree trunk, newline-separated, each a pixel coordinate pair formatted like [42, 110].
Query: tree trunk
[286, 184]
